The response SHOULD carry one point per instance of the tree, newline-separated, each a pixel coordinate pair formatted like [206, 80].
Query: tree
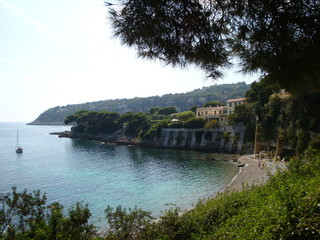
[25, 215]
[154, 110]
[184, 116]
[127, 223]
[136, 123]
[167, 110]
[163, 111]
[75, 117]
[155, 129]
[280, 39]
[193, 109]
[213, 104]
[76, 225]
[211, 124]
[195, 123]
[242, 113]
[95, 122]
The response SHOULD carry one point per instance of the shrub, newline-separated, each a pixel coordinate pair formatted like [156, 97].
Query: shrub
[26, 216]
[211, 124]
[195, 123]
[127, 224]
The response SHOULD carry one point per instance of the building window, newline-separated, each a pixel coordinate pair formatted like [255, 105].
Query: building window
[206, 112]
[215, 112]
[230, 104]
[219, 112]
[198, 114]
[230, 112]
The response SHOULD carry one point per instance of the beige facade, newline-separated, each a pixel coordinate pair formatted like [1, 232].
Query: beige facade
[213, 113]
[231, 103]
[219, 113]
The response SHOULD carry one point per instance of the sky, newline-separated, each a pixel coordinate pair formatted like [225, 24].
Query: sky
[58, 52]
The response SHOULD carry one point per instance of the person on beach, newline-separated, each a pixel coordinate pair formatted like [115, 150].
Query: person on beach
[259, 160]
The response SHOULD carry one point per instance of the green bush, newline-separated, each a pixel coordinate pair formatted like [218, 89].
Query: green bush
[155, 130]
[127, 224]
[195, 123]
[26, 216]
[211, 124]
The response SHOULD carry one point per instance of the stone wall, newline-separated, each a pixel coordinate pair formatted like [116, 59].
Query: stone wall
[227, 139]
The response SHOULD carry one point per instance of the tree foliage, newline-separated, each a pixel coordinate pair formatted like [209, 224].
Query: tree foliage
[211, 124]
[136, 123]
[25, 215]
[184, 116]
[242, 113]
[95, 122]
[280, 39]
[213, 104]
[155, 130]
[127, 223]
[289, 119]
[167, 110]
[194, 123]
[154, 110]
[193, 109]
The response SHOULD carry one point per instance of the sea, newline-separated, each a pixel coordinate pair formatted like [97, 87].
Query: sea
[71, 171]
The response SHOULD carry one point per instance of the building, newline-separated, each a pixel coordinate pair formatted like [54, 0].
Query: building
[231, 103]
[219, 113]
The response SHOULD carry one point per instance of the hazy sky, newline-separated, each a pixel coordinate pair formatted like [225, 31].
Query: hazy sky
[60, 52]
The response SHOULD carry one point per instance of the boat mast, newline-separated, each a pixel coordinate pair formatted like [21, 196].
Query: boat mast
[17, 142]
[18, 148]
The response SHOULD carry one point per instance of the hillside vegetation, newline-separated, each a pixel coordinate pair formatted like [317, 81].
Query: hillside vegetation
[182, 102]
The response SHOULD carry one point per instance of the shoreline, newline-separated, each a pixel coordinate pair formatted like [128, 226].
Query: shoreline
[253, 174]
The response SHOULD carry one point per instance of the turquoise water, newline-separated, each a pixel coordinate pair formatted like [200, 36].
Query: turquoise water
[73, 170]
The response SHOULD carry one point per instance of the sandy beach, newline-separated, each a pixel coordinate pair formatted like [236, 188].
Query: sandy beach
[251, 173]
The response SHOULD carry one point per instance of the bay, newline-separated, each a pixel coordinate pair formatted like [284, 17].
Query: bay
[71, 171]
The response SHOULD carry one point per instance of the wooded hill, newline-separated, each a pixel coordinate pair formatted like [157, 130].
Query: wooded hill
[182, 102]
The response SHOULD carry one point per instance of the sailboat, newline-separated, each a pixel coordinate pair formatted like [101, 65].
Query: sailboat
[18, 147]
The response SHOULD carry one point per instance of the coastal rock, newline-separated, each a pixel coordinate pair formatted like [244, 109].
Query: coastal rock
[65, 134]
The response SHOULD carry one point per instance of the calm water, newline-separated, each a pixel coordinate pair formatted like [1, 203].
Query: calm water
[73, 170]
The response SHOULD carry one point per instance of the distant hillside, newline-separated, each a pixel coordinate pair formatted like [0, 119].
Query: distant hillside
[182, 102]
